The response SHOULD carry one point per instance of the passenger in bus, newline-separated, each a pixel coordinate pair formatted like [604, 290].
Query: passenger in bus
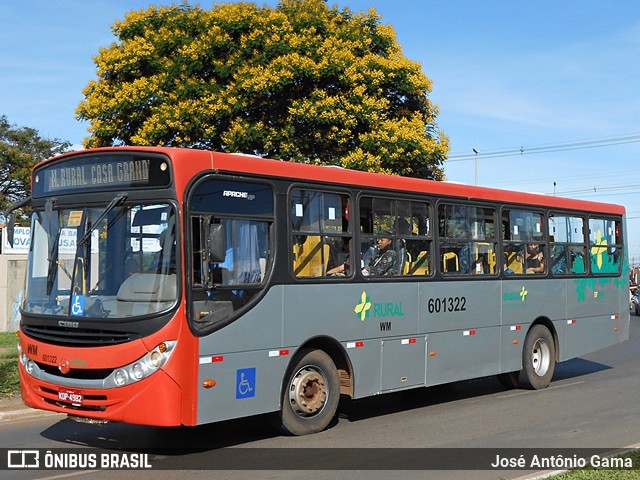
[385, 261]
[534, 259]
[339, 259]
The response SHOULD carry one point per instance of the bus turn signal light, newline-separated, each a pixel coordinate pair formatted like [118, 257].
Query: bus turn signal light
[209, 383]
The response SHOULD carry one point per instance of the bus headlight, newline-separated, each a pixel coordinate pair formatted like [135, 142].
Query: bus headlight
[120, 377]
[26, 362]
[141, 368]
[155, 360]
[137, 371]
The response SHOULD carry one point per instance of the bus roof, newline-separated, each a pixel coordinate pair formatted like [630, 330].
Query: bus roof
[192, 161]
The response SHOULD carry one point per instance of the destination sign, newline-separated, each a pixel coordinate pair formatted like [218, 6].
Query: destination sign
[102, 172]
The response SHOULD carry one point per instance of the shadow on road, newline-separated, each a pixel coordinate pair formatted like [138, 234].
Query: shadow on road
[187, 440]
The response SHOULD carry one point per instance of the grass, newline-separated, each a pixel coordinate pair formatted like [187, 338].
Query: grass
[9, 380]
[592, 474]
[8, 340]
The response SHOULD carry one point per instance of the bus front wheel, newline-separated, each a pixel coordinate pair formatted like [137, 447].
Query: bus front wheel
[310, 395]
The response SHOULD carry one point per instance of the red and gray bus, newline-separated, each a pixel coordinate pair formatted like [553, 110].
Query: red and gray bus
[181, 287]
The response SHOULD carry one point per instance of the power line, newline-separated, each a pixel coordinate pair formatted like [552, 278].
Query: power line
[596, 189]
[547, 180]
[578, 145]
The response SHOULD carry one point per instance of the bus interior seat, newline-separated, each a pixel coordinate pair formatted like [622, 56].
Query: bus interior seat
[141, 290]
[513, 263]
[310, 257]
[450, 262]
[420, 265]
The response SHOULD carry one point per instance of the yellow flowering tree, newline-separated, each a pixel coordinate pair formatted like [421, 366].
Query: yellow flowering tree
[301, 82]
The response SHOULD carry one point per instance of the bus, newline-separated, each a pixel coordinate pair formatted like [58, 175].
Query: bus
[174, 287]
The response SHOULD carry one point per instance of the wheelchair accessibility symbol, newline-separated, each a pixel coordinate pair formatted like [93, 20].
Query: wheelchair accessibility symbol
[77, 305]
[245, 383]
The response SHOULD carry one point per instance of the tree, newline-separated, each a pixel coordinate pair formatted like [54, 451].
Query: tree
[20, 149]
[300, 82]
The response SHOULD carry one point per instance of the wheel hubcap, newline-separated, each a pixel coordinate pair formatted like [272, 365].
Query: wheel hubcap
[541, 357]
[308, 392]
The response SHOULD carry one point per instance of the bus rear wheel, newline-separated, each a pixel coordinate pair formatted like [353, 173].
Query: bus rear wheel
[538, 359]
[310, 395]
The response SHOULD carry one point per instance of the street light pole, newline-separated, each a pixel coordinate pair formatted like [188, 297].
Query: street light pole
[476, 164]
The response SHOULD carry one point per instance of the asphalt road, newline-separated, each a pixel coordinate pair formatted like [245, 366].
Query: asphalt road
[592, 403]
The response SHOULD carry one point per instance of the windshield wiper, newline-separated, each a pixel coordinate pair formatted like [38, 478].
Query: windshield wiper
[118, 200]
[53, 248]
[53, 262]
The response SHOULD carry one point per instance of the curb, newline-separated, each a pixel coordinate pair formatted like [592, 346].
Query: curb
[26, 413]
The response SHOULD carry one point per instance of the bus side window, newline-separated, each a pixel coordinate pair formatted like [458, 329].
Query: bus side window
[567, 245]
[605, 245]
[319, 224]
[468, 239]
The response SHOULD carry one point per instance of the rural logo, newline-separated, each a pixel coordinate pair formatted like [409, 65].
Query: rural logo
[363, 307]
[523, 294]
[599, 249]
[379, 309]
[517, 295]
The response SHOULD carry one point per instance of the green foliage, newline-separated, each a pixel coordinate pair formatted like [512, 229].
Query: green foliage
[20, 150]
[301, 82]
[604, 474]
[9, 377]
[9, 340]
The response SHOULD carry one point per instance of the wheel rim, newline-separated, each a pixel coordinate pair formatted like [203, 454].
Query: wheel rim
[541, 357]
[308, 392]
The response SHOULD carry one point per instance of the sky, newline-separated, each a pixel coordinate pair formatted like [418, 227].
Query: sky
[546, 92]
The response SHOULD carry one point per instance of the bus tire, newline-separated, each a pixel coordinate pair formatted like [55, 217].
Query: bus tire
[538, 359]
[310, 395]
[509, 380]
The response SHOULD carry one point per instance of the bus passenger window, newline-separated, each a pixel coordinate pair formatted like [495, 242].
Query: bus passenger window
[524, 243]
[320, 234]
[468, 240]
[605, 246]
[396, 237]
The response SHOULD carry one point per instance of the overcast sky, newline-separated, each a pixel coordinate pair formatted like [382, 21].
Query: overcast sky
[545, 91]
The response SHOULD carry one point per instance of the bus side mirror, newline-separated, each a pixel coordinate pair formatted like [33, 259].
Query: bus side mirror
[216, 243]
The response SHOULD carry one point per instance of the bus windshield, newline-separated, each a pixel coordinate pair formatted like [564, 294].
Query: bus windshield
[115, 261]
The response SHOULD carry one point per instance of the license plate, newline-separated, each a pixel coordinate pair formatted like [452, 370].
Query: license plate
[70, 396]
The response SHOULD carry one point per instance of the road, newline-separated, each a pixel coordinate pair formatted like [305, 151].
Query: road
[592, 402]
